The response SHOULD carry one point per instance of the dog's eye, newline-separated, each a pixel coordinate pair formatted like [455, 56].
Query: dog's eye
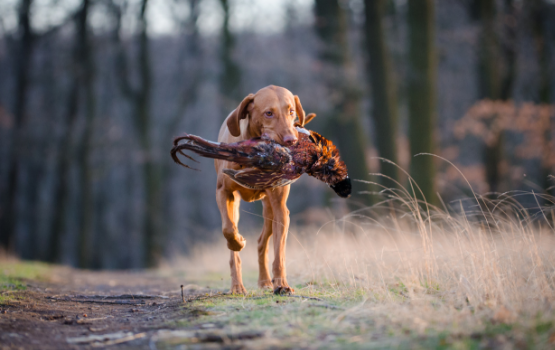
[269, 114]
[292, 112]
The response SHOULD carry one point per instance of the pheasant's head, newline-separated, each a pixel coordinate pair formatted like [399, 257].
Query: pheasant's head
[329, 167]
[343, 188]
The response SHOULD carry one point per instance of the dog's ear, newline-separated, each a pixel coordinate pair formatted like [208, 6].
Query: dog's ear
[300, 111]
[239, 113]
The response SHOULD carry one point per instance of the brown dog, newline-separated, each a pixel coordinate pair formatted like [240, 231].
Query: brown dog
[271, 113]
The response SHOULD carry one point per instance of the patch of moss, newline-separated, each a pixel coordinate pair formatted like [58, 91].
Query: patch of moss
[24, 270]
[10, 283]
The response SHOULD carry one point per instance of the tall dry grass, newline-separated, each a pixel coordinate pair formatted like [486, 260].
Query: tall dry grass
[484, 259]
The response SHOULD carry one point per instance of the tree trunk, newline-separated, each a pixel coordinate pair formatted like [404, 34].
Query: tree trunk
[344, 118]
[422, 95]
[382, 82]
[509, 49]
[81, 85]
[538, 20]
[230, 79]
[490, 86]
[153, 236]
[63, 169]
[489, 67]
[86, 63]
[496, 74]
[8, 212]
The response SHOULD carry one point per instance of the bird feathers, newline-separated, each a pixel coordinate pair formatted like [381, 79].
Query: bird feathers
[269, 164]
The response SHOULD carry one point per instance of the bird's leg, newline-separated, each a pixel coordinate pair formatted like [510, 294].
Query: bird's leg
[264, 279]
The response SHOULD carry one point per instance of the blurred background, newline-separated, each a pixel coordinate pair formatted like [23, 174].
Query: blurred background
[93, 92]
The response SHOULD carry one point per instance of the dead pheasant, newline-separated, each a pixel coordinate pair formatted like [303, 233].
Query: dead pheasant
[269, 164]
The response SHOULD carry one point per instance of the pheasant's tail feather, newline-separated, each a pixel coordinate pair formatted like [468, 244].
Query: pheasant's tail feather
[205, 148]
[178, 149]
[254, 152]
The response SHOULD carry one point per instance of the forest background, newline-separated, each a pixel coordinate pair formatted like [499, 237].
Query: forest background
[93, 92]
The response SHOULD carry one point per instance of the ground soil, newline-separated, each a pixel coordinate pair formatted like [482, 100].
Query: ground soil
[46, 314]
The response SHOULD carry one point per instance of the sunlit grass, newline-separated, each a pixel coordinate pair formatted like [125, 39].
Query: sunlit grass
[482, 272]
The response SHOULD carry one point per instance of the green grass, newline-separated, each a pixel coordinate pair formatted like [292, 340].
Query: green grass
[293, 323]
[399, 315]
[13, 277]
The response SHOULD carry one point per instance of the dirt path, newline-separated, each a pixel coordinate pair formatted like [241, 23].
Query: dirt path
[73, 304]
[63, 308]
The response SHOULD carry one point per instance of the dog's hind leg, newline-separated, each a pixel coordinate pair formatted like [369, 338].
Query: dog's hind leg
[264, 279]
[280, 229]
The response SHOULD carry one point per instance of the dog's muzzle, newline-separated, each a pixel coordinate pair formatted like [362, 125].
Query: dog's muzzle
[343, 188]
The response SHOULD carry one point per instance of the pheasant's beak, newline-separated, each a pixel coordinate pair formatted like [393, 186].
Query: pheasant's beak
[343, 188]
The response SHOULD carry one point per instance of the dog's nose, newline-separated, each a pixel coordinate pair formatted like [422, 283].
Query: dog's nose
[289, 140]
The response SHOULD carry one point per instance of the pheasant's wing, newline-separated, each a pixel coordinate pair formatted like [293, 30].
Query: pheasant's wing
[257, 179]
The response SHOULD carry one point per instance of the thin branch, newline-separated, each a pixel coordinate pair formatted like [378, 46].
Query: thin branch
[121, 296]
[117, 302]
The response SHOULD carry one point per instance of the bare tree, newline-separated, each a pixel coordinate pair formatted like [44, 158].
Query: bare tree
[538, 17]
[345, 114]
[496, 70]
[22, 59]
[230, 78]
[382, 81]
[422, 94]
[81, 85]
[154, 173]
[141, 101]
[85, 58]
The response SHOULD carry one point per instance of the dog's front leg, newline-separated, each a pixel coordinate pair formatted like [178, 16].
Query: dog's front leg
[229, 209]
[236, 274]
[280, 228]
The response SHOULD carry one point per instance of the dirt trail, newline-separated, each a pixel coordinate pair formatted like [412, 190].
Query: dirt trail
[71, 305]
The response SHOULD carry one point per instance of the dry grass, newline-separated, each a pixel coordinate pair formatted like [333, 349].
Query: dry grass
[413, 270]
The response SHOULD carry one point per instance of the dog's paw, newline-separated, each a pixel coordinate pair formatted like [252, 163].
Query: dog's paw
[238, 289]
[236, 242]
[265, 284]
[283, 290]
[280, 286]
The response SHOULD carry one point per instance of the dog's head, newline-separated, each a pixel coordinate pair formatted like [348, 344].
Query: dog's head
[271, 113]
